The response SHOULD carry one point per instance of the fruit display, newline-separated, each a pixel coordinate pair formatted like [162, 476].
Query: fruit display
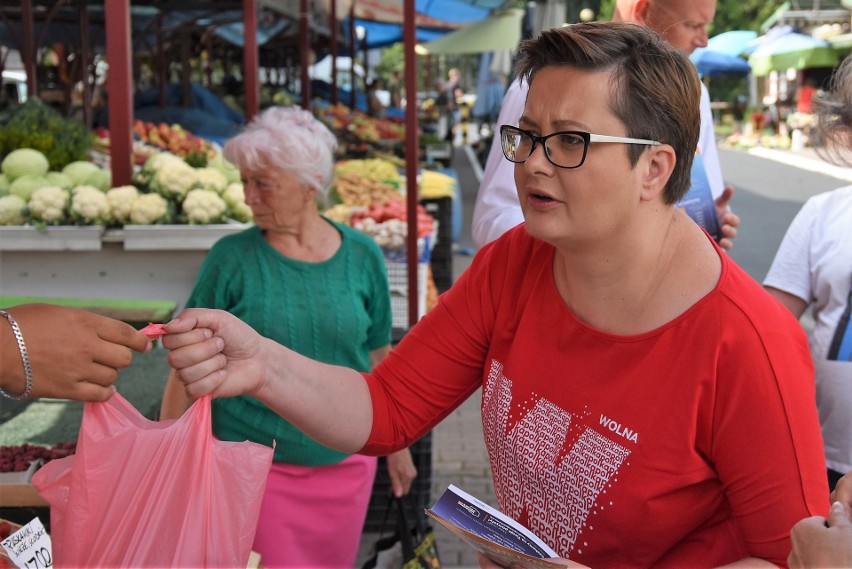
[19, 458]
[433, 185]
[176, 140]
[358, 133]
[354, 189]
[395, 209]
[373, 168]
[7, 528]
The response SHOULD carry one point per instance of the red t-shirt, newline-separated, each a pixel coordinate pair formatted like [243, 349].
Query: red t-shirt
[692, 445]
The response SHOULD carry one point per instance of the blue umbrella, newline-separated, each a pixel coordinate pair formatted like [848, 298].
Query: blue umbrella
[731, 43]
[711, 63]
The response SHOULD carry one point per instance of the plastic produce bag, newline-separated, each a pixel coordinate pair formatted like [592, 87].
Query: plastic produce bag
[143, 494]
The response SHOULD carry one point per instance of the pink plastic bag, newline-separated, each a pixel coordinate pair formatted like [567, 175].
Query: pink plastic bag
[144, 494]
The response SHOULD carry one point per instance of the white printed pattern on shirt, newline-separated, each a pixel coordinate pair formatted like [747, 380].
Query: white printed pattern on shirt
[550, 464]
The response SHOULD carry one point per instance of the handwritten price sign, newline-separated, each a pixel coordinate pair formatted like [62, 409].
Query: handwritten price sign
[30, 547]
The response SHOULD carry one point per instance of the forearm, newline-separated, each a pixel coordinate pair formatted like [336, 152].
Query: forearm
[331, 404]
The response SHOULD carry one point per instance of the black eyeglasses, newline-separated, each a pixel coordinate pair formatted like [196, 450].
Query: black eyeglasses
[566, 149]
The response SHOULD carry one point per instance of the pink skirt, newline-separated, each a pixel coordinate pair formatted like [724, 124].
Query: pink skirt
[312, 516]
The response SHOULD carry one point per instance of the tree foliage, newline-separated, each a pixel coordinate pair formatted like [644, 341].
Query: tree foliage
[742, 14]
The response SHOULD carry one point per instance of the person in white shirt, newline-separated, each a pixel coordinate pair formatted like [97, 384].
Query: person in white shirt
[813, 267]
[683, 23]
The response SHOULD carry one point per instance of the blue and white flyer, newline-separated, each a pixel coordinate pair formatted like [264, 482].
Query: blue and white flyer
[500, 538]
[698, 202]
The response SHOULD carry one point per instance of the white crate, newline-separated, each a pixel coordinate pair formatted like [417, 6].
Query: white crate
[51, 238]
[398, 280]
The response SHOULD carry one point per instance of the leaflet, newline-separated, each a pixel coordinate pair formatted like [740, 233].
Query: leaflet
[499, 537]
[698, 202]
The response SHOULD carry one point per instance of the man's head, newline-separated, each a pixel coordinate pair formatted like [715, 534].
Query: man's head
[682, 23]
[654, 89]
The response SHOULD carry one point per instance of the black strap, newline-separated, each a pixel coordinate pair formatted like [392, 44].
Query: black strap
[386, 516]
[403, 529]
[842, 329]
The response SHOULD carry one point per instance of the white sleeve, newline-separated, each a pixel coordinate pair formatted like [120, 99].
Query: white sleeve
[790, 270]
[497, 209]
[707, 146]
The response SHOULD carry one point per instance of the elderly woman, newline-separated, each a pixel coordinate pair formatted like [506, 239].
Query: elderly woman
[644, 401]
[320, 289]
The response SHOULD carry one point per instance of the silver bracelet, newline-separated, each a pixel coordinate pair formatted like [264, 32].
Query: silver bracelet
[25, 358]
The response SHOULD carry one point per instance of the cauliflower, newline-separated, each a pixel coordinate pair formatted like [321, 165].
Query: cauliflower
[89, 206]
[204, 206]
[161, 160]
[212, 179]
[234, 196]
[12, 210]
[120, 200]
[174, 180]
[49, 205]
[155, 162]
[148, 209]
[24, 161]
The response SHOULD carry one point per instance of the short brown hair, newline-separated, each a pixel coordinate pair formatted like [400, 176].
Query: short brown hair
[655, 88]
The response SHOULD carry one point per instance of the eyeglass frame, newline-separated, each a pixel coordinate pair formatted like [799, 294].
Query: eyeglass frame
[587, 137]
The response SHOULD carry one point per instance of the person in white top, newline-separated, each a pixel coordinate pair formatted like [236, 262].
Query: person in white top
[813, 267]
[683, 23]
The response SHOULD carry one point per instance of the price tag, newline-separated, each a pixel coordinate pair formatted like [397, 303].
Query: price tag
[30, 547]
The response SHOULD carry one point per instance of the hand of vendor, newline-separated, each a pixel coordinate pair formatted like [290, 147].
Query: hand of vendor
[72, 353]
[215, 352]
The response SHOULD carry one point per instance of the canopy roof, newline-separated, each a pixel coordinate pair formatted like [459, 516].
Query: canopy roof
[499, 32]
[792, 51]
[382, 19]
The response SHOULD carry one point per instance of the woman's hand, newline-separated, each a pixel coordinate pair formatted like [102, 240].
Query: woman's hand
[215, 352]
[75, 354]
[401, 471]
